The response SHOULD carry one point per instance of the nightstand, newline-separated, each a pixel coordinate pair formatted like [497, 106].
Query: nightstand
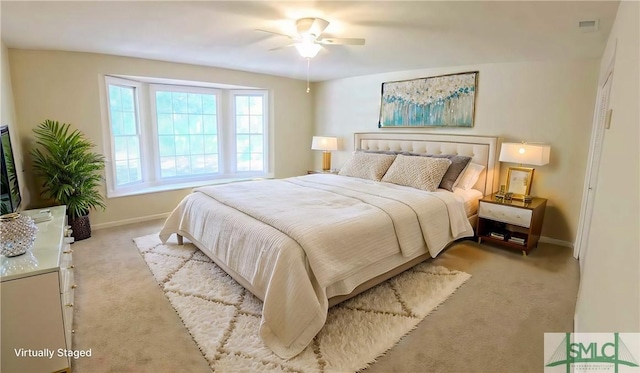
[513, 224]
[335, 172]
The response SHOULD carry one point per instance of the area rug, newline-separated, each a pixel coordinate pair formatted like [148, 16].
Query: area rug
[223, 318]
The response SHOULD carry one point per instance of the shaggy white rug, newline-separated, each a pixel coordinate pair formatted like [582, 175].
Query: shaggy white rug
[223, 318]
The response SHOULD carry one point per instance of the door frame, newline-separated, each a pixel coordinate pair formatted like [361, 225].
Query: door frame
[593, 163]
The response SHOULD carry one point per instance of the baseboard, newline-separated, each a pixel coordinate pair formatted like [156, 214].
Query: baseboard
[129, 221]
[556, 242]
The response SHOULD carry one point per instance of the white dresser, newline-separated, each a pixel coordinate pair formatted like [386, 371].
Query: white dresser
[37, 302]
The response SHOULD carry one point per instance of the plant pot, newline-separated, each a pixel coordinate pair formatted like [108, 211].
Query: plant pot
[81, 227]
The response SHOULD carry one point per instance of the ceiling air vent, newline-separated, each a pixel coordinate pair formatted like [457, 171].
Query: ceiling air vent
[589, 25]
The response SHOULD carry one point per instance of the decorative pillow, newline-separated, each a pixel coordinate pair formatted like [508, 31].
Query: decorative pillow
[417, 172]
[367, 165]
[470, 176]
[458, 164]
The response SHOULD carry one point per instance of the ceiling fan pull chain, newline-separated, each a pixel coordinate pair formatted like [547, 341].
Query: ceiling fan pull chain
[308, 63]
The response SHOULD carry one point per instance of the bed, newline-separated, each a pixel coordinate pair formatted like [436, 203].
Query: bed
[303, 244]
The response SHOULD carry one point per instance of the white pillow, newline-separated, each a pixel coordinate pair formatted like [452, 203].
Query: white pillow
[370, 166]
[470, 176]
[417, 172]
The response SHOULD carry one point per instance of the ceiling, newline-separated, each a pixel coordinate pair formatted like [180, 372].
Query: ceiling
[399, 35]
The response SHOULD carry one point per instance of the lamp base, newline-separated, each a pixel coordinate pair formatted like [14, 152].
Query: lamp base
[326, 161]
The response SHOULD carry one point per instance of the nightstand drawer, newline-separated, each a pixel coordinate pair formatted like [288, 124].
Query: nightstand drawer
[505, 214]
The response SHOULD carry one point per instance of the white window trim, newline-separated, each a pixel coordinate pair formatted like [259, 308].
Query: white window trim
[108, 142]
[153, 130]
[147, 123]
[265, 129]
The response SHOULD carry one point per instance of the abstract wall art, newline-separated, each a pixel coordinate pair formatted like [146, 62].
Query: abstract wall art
[439, 101]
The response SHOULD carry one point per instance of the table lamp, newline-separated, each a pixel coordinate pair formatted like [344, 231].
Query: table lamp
[524, 154]
[326, 144]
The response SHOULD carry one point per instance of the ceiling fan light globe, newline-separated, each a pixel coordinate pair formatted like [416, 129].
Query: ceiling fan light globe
[308, 50]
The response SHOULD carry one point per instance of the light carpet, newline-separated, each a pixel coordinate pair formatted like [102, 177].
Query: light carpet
[223, 318]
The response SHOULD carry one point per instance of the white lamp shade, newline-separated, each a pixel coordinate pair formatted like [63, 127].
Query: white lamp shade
[324, 143]
[308, 49]
[530, 154]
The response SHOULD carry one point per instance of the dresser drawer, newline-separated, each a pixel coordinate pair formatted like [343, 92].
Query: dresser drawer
[67, 316]
[505, 214]
[66, 270]
[67, 281]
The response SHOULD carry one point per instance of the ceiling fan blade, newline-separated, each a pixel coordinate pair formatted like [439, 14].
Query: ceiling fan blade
[341, 41]
[318, 26]
[276, 33]
[282, 47]
[311, 26]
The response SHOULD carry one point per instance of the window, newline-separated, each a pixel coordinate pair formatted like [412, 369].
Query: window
[187, 126]
[124, 133]
[249, 128]
[170, 136]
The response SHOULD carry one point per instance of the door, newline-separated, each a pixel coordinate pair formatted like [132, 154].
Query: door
[601, 121]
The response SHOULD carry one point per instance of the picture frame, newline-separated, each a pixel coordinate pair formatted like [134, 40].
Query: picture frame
[519, 182]
[438, 101]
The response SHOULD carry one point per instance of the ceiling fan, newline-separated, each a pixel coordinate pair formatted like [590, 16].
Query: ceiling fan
[308, 40]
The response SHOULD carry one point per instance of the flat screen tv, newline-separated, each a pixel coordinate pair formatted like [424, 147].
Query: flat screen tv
[10, 190]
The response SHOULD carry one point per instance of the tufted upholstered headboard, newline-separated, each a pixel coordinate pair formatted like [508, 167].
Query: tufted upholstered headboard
[481, 149]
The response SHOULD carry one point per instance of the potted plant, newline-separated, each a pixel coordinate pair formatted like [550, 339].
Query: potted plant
[70, 172]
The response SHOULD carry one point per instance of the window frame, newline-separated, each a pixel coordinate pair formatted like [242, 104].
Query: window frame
[148, 138]
[110, 166]
[265, 126]
[155, 157]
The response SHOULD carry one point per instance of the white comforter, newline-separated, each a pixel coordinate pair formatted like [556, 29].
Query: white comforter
[295, 237]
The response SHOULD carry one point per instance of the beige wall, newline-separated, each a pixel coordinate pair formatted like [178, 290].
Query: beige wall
[65, 86]
[536, 102]
[609, 295]
[8, 117]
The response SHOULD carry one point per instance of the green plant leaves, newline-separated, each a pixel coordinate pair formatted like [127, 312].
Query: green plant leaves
[68, 168]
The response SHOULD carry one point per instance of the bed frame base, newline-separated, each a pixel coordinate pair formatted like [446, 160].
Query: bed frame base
[378, 280]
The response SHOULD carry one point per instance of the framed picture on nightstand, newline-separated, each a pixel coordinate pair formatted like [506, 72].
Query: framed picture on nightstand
[519, 181]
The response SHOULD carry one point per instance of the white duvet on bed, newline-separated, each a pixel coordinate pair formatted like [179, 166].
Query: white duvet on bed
[471, 199]
[290, 239]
